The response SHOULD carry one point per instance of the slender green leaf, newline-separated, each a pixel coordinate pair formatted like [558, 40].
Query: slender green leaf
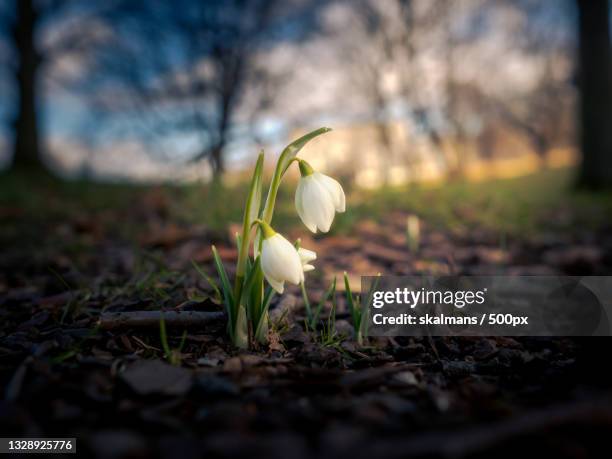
[241, 337]
[249, 283]
[331, 321]
[261, 331]
[225, 284]
[257, 293]
[163, 336]
[254, 200]
[227, 291]
[364, 312]
[251, 211]
[262, 327]
[351, 304]
[183, 339]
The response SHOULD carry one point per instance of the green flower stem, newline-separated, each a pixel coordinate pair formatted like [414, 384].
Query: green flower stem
[285, 160]
[271, 199]
[309, 316]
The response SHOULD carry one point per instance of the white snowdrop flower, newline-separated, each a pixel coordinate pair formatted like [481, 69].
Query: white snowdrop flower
[317, 198]
[280, 260]
[306, 256]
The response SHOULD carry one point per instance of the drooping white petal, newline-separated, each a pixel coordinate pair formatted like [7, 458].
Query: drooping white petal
[284, 261]
[306, 256]
[335, 190]
[317, 204]
[299, 205]
[280, 262]
[276, 285]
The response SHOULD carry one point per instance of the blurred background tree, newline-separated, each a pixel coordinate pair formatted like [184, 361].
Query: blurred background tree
[148, 71]
[36, 36]
[183, 68]
[596, 93]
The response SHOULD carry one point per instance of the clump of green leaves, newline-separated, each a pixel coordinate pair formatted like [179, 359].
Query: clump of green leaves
[247, 299]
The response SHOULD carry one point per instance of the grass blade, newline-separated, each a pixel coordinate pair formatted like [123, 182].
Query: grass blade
[309, 316]
[351, 303]
[227, 291]
[209, 279]
[371, 291]
[163, 336]
[364, 316]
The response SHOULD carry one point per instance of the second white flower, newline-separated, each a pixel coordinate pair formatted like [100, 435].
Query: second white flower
[280, 260]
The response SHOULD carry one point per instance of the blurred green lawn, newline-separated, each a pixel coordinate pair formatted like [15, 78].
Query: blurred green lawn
[545, 201]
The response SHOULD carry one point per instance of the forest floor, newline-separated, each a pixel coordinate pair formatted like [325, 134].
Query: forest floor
[70, 251]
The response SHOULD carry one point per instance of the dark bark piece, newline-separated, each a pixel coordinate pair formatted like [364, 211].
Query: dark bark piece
[151, 319]
[596, 93]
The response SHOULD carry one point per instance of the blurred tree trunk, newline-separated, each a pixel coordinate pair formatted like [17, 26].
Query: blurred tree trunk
[216, 152]
[26, 153]
[226, 106]
[596, 93]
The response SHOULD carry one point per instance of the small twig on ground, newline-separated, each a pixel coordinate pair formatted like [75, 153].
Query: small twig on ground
[150, 319]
